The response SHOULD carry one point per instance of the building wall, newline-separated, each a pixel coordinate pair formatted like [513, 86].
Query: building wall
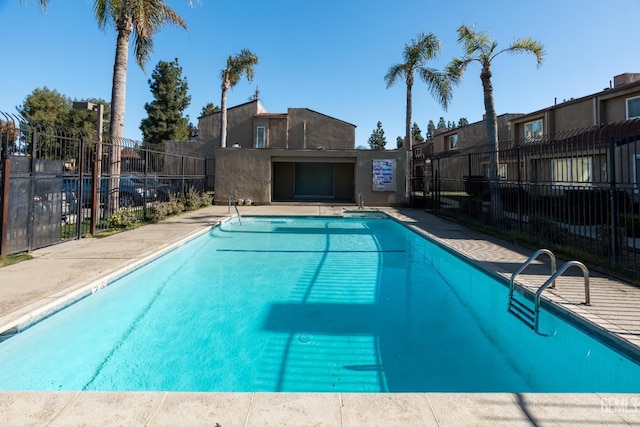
[249, 172]
[276, 131]
[473, 134]
[312, 130]
[240, 129]
[606, 107]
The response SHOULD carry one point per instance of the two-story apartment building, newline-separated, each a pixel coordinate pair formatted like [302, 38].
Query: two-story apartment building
[569, 143]
[298, 156]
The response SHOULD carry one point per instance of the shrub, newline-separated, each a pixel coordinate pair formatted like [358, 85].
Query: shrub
[122, 219]
[192, 200]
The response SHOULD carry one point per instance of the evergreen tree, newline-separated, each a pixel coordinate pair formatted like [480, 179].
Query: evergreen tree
[164, 120]
[399, 142]
[463, 122]
[377, 141]
[210, 108]
[48, 107]
[431, 129]
[442, 124]
[417, 133]
[45, 106]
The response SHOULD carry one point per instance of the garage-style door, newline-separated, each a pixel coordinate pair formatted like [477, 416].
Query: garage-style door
[313, 181]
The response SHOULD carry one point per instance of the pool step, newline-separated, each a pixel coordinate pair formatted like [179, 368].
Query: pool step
[520, 310]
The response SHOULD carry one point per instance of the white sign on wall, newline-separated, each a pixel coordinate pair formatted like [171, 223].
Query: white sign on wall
[384, 175]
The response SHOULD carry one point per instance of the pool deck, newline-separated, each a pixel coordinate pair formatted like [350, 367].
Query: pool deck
[61, 273]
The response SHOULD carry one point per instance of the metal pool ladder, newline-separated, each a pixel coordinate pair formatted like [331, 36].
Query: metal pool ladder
[233, 200]
[522, 309]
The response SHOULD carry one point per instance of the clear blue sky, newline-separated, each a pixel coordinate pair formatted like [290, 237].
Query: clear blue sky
[327, 55]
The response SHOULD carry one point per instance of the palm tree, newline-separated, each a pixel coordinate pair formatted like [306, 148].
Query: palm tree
[424, 48]
[142, 19]
[479, 47]
[241, 63]
[43, 3]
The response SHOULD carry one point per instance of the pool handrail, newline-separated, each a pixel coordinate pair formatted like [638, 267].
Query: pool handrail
[535, 255]
[565, 266]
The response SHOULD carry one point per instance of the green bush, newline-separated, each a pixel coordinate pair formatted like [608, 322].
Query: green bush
[122, 219]
[176, 205]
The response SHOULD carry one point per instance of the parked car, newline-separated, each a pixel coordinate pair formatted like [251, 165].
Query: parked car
[131, 190]
[69, 203]
[162, 191]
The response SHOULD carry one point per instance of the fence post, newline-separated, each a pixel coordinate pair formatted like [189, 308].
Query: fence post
[32, 184]
[437, 186]
[613, 198]
[95, 203]
[80, 218]
[4, 197]
[469, 188]
[519, 195]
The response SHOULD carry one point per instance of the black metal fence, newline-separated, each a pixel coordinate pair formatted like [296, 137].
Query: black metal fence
[576, 191]
[58, 184]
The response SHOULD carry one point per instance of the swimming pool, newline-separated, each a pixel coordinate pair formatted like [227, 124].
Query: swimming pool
[307, 304]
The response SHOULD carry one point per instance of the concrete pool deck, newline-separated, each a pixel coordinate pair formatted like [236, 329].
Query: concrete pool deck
[33, 288]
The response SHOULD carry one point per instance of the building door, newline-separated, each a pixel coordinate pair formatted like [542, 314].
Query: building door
[314, 181]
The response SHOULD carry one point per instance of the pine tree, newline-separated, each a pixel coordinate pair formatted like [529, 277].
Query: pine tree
[210, 108]
[417, 133]
[377, 141]
[463, 122]
[164, 120]
[431, 129]
[442, 124]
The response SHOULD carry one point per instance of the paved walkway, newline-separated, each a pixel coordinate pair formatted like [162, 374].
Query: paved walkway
[62, 273]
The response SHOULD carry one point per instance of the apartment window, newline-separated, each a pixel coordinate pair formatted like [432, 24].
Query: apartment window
[533, 130]
[261, 137]
[633, 107]
[575, 171]
[453, 141]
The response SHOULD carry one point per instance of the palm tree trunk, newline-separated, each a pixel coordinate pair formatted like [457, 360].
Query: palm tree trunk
[118, 97]
[407, 137]
[495, 210]
[407, 142]
[223, 116]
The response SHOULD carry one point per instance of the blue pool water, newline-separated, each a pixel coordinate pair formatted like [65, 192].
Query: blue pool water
[307, 304]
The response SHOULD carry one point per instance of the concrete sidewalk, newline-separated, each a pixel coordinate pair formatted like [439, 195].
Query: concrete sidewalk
[64, 272]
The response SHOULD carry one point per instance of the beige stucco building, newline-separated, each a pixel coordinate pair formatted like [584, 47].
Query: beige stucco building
[609, 114]
[298, 156]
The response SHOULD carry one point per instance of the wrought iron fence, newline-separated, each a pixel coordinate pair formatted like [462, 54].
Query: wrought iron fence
[577, 191]
[59, 183]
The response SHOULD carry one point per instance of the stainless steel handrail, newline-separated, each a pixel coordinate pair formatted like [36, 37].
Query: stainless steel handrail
[587, 292]
[526, 264]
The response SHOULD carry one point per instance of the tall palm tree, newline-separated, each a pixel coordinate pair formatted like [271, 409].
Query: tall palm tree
[43, 3]
[237, 66]
[479, 47]
[421, 50]
[142, 19]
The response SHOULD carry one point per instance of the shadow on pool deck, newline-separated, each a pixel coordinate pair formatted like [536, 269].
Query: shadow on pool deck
[55, 271]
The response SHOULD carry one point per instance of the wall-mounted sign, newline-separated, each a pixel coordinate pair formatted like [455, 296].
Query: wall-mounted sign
[384, 175]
